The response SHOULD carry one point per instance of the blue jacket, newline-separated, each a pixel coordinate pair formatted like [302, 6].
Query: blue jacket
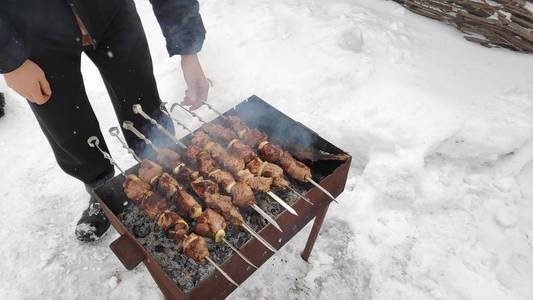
[27, 25]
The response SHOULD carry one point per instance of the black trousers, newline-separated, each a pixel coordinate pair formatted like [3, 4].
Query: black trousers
[67, 119]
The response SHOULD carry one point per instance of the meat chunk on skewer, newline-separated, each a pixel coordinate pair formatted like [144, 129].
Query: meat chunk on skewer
[203, 187]
[270, 152]
[221, 132]
[241, 150]
[201, 139]
[149, 171]
[206, 164]
[267, 169]
[174, 225]
[195, 247]
[136, 189]
[257, 183]
[211, 224]
[223, 178]
[166, 185]
[186, 204]
[296, 169]
[190, 154]
[242, 195]
[233, 164]
[222, 205]
[154, 205]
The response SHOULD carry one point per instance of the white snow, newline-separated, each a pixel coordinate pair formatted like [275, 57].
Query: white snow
[442, 208]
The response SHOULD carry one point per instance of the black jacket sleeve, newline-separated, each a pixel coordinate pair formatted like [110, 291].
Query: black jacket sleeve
[181, 24]
[13, 49]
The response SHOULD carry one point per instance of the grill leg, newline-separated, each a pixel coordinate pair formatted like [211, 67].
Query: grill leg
[319, 219]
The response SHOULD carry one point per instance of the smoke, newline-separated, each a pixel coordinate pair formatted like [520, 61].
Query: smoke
[257, 113]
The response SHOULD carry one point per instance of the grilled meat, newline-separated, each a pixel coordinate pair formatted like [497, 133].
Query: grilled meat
[280, 182]
[233, 164]
[236, 124]
[264, 168]
[154, 205]
[223, 178]
[241, 150]
[149, 171]
[136, 189]
[220, 132]
[253, 137]
[216, 150]
[200, 139]
[174, 225]
[190, 154]
[257, 183]
[270, 152]
[211, 224]
[203, 187]
[186, 174]
[186, 204]
[195, 247]
[222, 205]
[242, 195]
[296, 169]
[206, 164]
[168, 158]
[166, 185]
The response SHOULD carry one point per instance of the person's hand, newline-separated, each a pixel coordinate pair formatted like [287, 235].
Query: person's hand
[197, 84]
[29, 81]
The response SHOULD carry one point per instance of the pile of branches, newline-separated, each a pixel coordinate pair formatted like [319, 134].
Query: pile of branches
[491, 23]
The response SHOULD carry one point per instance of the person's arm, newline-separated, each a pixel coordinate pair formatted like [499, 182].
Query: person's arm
[184, 31]
[20, 73]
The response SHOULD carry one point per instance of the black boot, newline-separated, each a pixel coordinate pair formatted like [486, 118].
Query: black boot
[93, 223]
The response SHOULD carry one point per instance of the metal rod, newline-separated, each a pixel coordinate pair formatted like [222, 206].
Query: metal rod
[114, 131]
[258, 237]
[164, 110]
[214, 110]
[93, 142]
[137, 109]
[189, 111]
[239, 253]
[128, 125]
[266, 216]
[323, 190]
[300, 195]
[221, 271]
[283, 203]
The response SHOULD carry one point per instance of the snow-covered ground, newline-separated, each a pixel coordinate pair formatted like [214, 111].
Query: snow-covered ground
[439, 203]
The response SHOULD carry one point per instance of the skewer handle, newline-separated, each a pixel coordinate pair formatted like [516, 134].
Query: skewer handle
[214, 109]
[137, 109]
[93, 142]
[128, 125]
[114, 131]
[189, 111]
[163, 109]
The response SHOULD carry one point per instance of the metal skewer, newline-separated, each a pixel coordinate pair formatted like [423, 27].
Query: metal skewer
[164, 110]
[137, 109]
[128, 125]
[214, 110]
[270, 193]
[221, 271]
[239, 253]
[309, 179]
[93, 141]
[114, 131]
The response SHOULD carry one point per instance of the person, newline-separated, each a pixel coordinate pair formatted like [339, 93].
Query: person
[42, 43]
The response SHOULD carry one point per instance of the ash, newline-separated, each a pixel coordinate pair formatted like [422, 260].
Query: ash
[185, 272]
